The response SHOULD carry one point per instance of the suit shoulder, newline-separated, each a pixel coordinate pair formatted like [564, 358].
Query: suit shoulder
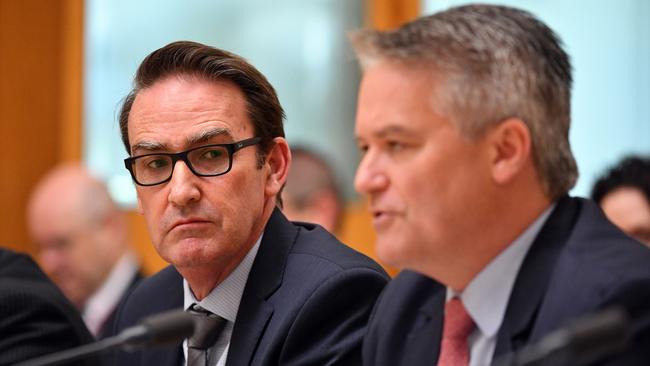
[21, 279]
[315, 242]
[409, 305]
[595, 242]
[408, 291]
[19, 266]
[36, 319]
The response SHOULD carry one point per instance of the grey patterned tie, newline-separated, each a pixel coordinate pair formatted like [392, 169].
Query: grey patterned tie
[208, 328]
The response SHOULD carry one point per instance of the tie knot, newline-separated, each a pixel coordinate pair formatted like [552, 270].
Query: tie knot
[458, 324]
[207, 329]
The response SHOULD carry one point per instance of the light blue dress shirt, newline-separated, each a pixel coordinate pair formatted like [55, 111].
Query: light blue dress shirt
[486, 297]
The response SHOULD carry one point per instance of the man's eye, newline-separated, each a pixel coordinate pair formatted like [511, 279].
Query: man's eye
[394, 146]
[212, 154]
[157, 163]
[363, 149]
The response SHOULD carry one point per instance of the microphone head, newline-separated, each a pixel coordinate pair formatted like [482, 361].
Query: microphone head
[170, 327]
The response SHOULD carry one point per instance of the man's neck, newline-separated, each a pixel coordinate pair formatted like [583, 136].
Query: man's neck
[509, 212]
[203, 279]
[510, 220]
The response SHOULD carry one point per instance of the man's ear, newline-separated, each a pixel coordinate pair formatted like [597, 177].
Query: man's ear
[277, 162]
[510, 144]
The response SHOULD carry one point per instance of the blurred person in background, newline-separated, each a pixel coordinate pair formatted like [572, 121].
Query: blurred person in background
[623, 192]
[82, 241]
[311, 193]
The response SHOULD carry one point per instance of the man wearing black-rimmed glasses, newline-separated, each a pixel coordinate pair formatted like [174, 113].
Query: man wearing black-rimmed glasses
[204, 132]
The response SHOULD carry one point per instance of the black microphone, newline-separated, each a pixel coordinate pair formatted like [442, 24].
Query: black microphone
[585, 340]
[157, 330]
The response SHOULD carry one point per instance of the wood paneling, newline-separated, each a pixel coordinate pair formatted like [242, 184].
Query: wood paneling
[30, 105]
[389, 14]
[71, 85]
[358, 233]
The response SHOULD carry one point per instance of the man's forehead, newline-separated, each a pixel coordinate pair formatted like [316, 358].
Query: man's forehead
[191, 138]
[176, 98]
[382, 131]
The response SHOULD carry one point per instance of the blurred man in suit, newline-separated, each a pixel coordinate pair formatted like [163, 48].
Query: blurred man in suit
[624, 194]
[35, 318]
[204, 132]
[463, 120]
[82, 238]
[312, 193]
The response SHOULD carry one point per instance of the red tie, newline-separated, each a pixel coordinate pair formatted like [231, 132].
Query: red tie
[458, 325]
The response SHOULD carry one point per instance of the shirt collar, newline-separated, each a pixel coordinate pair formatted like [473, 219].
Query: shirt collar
[224, 299]
[486, 296]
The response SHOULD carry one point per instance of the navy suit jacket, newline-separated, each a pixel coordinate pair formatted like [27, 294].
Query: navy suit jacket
[306, 302]
[578, 263]
[35, 317]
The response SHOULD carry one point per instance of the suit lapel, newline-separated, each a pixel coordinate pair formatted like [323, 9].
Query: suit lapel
[427, 329]
[170, 297]
[265, 277]
[533, 277]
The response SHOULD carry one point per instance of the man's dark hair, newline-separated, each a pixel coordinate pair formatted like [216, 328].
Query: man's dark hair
[631, 172]
[193, 59]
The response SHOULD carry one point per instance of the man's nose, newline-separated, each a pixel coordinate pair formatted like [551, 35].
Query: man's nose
[183, 189]
[370, 176]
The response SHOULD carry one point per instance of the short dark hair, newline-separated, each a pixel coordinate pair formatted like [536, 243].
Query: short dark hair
[631, 172]
[184, 58]
[493, 62]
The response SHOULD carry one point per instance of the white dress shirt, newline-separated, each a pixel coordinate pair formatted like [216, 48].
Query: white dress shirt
[224, 301]
[486, 296]
[102, 303]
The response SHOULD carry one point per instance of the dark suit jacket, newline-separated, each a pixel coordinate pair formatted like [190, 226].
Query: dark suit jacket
[306, 302]
[35, 317]
[108, 326]
[578, 263]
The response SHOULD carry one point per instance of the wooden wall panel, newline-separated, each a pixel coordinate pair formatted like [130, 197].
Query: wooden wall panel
[71, 84]
[30, 106]
[389, 14]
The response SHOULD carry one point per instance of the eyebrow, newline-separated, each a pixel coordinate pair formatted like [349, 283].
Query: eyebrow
[207, 135]
[201, 137]
[148, 146]
[391, 130]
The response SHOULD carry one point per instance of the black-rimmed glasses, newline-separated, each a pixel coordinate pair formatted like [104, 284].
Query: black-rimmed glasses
[204, 161]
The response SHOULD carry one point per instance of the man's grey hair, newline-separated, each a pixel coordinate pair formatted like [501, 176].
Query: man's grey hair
[492, 63]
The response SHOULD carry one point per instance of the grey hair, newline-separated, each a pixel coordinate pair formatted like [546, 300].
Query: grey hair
[492, 62]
